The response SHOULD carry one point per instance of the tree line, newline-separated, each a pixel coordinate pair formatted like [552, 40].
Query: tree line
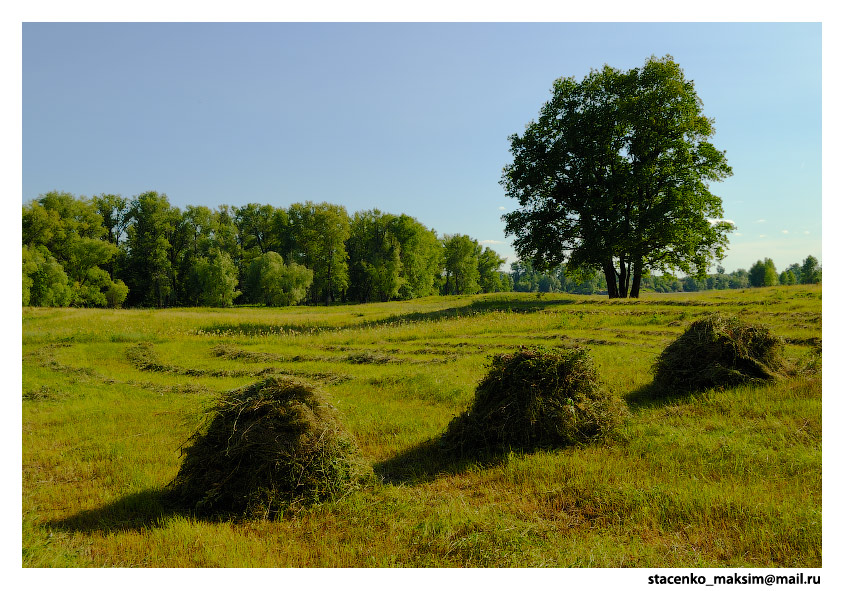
[112, 251]
[526, 278]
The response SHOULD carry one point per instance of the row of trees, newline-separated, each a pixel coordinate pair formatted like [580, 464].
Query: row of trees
[764, 273]
[109, 251]
[525, 277]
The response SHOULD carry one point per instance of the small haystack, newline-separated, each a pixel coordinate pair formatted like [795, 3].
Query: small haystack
[267, 446]
[717, 352]
[535, 398]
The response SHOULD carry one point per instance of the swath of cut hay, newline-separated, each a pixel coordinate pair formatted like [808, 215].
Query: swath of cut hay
[535, 398]
[268, 447]
[717, 352]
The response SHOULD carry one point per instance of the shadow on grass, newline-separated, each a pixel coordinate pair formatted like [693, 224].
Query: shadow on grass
[476, 308]
[135, 512]
[486, 306]
[427, 461]
[653, 396]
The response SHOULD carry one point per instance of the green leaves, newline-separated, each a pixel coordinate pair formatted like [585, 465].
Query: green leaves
[614, 175]
[763, 274]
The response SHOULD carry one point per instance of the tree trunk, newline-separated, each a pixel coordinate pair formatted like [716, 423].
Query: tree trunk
[610, 278]
[329, 290]
[638, 275]
[623, 278]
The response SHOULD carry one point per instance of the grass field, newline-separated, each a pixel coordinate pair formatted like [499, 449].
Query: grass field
[718, 479]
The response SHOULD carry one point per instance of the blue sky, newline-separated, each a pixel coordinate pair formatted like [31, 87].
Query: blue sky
[404, 117]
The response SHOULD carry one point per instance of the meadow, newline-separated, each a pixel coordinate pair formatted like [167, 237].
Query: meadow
[720, 478]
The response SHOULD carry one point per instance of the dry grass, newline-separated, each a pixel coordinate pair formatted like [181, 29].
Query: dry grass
[728, 477]
[717, 352]
[535, 398]
[266, 447]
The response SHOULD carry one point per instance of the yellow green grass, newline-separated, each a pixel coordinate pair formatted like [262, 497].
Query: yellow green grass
[718, 479]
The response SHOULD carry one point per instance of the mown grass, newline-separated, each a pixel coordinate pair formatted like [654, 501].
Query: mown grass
[711, 479]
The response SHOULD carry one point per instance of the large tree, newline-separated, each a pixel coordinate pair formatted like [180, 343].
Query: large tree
[489, 277]
[318, 234]
[255, 224]
[810, 270]
[374, 261]
[148, 260]
[763, 274]
[421, 254]
[71, 233]
[460, 261]
[216, 279]
[614, 175]
[270, 281]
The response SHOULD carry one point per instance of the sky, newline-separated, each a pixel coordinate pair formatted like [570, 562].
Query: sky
[407, 118]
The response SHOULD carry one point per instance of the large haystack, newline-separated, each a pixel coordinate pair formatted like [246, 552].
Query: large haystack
[535, 398]
[267, 446]
[716, 352]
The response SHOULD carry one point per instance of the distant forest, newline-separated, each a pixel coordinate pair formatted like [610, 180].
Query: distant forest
[110, 251]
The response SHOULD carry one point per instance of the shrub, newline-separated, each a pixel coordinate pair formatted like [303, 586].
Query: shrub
[270, 281]
[266, 447]
[718, 351]
[116, 294]
[535, 398]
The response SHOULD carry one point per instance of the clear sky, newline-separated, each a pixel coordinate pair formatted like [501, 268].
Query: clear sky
[405, 117]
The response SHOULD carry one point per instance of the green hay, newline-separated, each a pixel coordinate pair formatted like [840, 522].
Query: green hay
[267, 447]
[369, 357]
[535, 398]
[719, 352]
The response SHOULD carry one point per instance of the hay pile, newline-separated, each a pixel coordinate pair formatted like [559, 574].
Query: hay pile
[535, 398]
[267, 446]
[716, 352]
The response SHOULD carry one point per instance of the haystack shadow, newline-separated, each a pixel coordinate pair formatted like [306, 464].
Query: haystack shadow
[427, 461]
[652, 396]
[134, 512]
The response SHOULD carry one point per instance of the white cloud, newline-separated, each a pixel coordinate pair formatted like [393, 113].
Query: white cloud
[493, 242]
[501, 208]
[762, 236]
[761, 221]
[717, 220]
[784, 231]
[737, 233]
[806, 231]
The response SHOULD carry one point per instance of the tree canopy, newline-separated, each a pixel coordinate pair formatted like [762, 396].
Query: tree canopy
[614, 175]
[143, 251]
[763, 274]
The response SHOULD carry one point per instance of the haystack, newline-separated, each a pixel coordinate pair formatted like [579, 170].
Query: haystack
[265, 447]
[717, 352]
[535, 398]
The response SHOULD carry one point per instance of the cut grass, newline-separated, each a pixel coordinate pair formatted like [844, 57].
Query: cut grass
[720, 478]
[535, 398]
[266, 447]
[719, 351]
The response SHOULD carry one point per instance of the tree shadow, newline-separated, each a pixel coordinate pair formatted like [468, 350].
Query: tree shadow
[428, 460]
[138, 511]
[485, 306]
[653, 396]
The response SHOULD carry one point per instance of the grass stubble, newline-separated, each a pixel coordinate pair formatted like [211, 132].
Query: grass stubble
[723, 477]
